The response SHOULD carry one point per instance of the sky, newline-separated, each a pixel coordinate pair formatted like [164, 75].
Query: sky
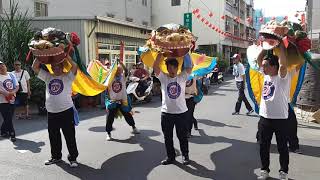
[280, 7]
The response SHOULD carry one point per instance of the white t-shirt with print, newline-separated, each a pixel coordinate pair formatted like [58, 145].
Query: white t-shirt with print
[173, 93]
[58, 91]
[191, 88]
[275, 96]
[238, 71]
[24, 79]
[117, 90]
[6, 85]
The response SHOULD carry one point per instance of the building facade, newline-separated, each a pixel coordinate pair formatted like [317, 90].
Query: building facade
[209, 41]
[101, 24]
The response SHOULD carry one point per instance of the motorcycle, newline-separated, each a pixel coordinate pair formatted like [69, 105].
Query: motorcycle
[132, 88]
[216, 76]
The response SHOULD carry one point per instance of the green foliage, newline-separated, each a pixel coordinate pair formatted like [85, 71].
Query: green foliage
[221, 62]
[15, 33]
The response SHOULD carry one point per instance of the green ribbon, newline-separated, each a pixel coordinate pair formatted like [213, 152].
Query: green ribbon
[307, 57]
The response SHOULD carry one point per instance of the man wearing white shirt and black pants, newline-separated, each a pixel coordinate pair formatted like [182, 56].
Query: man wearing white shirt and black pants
[59, 105]
[274, 111]
[239, 74]
[174, 108]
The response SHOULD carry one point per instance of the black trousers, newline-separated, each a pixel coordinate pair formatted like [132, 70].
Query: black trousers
[293, 126]
[190, 114]
[63, 120]
[110, 119]
[168, 121]
[266, 129]
[293, 139]
[7, 111]
[242, 97]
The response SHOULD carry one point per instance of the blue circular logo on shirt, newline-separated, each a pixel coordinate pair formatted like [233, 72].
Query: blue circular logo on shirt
[189, 83]
[8, 84]
[116, 86]
[268, 90]
[55, 86]
[174, 90]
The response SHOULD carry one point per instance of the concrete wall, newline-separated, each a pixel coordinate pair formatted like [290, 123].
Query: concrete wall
[119, 8]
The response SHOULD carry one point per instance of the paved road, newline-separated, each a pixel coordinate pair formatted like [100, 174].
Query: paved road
[224, 148]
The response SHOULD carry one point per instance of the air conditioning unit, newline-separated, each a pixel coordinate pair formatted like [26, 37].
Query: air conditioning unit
[129, 19]
[110, 15]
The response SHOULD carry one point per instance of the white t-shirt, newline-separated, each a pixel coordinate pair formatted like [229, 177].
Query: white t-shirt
[191, 88]
[238, 71]
[173, 93]
[24, 79]
[117, 90]
[58, 91]
[6, 85]
[275, 96]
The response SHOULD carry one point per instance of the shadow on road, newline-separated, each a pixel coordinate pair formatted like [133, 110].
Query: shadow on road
[130, 165]
[215, 124]
[23, 144]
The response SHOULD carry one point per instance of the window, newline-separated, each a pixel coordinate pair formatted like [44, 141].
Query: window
[175, 2]
[227, 25]
[40, 9]
[145, 2]
[236, 30]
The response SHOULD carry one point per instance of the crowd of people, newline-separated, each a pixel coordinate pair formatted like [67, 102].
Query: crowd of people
[180, 94]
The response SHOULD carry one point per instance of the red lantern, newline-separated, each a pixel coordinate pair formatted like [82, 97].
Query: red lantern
[207, 22]
[202, 19]
[210, 14]
[223, 17]
[210, 25]
[198, 16]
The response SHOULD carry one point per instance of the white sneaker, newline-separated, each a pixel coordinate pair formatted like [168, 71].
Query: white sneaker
[135, 130]
[283, 175]
[108, 138]
[263, 175]
[73, 164]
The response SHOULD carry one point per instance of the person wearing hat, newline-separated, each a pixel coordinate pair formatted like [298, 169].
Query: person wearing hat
[8, 89]
[239, 74]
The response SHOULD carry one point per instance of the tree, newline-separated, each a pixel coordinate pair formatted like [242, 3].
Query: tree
[15, 33]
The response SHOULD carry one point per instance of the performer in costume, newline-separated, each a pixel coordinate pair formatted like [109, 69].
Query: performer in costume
[193, 96]
[296, 44]
[53, 52]
[59, 105]
[117, 100]
[174, 108]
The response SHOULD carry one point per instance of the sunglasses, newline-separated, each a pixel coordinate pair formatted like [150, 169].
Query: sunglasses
[17, 64]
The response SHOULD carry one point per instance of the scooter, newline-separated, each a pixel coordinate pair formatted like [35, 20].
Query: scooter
[132, 90]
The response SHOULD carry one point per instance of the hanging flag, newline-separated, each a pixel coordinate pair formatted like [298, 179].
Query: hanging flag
[223, 17]
[210, 14]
